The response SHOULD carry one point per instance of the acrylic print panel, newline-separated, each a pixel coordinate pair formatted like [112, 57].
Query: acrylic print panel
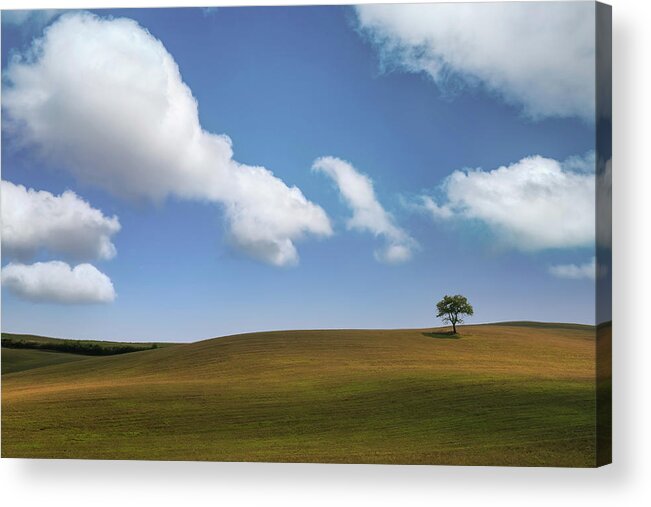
[372, 234]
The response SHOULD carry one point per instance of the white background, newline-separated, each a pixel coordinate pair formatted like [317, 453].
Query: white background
[626, 482]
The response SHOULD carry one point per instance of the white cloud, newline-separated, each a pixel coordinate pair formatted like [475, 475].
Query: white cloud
[395, 253]
[574, 271]
[368, 214]
[57, 282]
[540, 55]
[65, 224]
[586, 163]
[33, 221]
[437, 212]
[105, 99]
[36, 18]
[534, 204]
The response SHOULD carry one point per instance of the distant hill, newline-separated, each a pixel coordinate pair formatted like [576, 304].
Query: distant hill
[503, 394]
[85, 347]
[545, 325]
[14, 360]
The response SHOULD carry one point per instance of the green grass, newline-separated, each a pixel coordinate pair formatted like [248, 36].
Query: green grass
[14, 360]
[498, 395]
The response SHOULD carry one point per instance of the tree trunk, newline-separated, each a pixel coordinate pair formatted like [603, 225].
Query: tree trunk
[454, 328]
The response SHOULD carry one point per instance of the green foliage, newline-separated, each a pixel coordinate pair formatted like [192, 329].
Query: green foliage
[451, 310]
[84, 347]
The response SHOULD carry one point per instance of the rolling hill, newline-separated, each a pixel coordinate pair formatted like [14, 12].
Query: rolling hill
[14, 360]
[508, 394]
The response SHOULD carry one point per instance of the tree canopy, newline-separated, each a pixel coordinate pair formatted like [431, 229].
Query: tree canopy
[451, 309]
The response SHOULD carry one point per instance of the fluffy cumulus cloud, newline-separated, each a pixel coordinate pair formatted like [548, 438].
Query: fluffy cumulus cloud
[587, 270]
[357, 191]
[38, 221]
[534, 204]
[132, 128]
[57, 282]
[61, 224]
[538, 55]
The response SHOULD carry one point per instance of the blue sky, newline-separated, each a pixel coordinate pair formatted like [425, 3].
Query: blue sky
[288, 86]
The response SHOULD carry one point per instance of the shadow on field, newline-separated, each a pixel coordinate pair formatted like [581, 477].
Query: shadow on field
[449, 335]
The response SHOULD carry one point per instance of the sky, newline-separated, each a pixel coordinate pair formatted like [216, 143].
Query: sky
[179, 174]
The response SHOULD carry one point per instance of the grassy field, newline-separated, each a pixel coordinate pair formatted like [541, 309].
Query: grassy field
[86, 347]
[14, 360]
[508, 394]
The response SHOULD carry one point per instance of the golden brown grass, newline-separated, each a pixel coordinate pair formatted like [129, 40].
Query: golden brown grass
[500, 395]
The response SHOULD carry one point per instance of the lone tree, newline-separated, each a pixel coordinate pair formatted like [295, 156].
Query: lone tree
[451, 308]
